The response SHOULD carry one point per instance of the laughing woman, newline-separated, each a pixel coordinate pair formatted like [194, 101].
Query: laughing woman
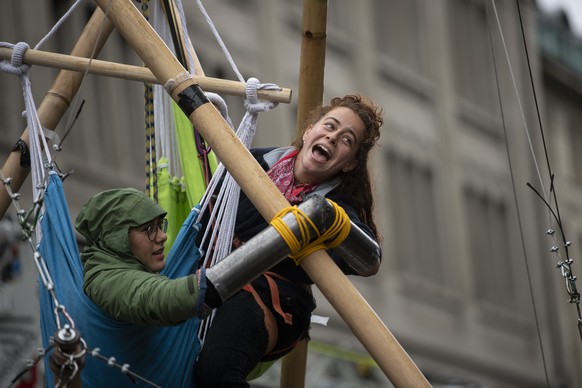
[330, 158]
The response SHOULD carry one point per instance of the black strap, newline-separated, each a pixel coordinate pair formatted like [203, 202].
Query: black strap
[24, 153]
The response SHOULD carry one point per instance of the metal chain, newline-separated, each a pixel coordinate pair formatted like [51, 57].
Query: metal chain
[28, 228]
[565, 267]
[28, 222]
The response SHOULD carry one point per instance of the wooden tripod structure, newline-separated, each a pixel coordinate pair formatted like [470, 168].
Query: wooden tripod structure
[338, 290]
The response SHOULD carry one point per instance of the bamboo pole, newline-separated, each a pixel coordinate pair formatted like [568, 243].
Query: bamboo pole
[253, 180]
[294, 366]
[312, 64]
[137, 73]
[311, 76]
[57, 100]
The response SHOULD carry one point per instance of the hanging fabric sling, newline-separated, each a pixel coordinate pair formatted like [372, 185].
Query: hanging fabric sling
[162, 355]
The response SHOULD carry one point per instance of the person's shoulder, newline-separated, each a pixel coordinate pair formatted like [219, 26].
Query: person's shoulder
[341, 197]
[259, 152]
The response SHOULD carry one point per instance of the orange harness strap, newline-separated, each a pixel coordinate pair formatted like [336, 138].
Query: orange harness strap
[270, 322]
[275, 299]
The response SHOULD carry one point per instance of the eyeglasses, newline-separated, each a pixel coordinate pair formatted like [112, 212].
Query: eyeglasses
[152, 230]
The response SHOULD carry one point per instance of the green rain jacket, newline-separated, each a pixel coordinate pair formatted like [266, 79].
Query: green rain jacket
[115, 279]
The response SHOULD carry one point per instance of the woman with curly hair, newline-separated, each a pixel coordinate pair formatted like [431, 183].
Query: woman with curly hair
[266, 319]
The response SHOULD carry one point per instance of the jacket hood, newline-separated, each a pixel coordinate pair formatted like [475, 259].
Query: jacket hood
[106, 218]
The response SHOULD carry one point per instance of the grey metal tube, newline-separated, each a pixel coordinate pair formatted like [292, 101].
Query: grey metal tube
[268, 248]
[265, 250]
[359, 250]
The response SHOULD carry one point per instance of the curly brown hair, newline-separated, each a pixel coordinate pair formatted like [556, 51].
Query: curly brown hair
[356, 182]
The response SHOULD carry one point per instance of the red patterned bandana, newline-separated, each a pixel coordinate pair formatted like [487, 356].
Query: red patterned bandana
[282, 175]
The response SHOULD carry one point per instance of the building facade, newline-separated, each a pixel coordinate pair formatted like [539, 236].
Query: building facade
[468, 283]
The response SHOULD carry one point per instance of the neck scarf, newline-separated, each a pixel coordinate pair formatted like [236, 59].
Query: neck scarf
[282, 175]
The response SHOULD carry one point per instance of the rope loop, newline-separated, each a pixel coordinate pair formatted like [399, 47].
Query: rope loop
[331, 238]
[219, 102]
[15, 67]
[252, 103]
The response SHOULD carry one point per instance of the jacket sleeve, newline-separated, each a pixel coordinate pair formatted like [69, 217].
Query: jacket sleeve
[144, 298]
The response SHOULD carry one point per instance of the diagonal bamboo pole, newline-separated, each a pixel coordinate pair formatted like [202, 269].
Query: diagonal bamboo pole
[137, 73]
[57, 100]
[343, 296]
[311, 76]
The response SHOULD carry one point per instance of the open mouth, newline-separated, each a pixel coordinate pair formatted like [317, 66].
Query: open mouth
[159, 252]
[321, 153]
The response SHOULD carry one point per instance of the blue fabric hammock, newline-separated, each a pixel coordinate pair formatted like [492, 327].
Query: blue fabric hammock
[163, 355]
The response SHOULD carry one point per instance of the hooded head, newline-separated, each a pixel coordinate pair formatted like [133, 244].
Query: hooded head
[106, 218]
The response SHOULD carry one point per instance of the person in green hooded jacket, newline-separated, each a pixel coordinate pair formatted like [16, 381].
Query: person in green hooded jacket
[124, 253]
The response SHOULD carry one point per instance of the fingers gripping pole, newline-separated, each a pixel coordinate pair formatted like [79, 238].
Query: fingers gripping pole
[259, 189]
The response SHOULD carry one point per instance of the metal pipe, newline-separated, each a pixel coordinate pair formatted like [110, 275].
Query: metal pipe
[359, 250]
[266, 249]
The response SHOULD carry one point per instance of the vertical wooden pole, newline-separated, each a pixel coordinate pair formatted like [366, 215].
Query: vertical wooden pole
[311, 77]
[312, 62]
[261, 191]
[294, 366]
[58, 99]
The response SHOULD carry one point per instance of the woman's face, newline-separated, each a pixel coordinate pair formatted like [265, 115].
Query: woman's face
[147, 244]
[330, 146]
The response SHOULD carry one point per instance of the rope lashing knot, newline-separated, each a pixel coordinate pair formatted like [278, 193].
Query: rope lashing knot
[252, 102]
[15, 67]
[331, 238]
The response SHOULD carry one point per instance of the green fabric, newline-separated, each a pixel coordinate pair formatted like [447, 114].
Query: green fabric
[261, 368]
[115, 279]
[191, 165]
[173, 198]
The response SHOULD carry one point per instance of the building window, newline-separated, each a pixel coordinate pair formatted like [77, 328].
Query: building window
[399, 28]
[493, 276]
[414, 219]
[471, 50]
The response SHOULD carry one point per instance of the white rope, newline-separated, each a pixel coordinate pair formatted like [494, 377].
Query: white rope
[220, 41]
[225, 205]
[39, 163]
[226, 202]
[16, 67]
[36, 133]
[58, 24]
